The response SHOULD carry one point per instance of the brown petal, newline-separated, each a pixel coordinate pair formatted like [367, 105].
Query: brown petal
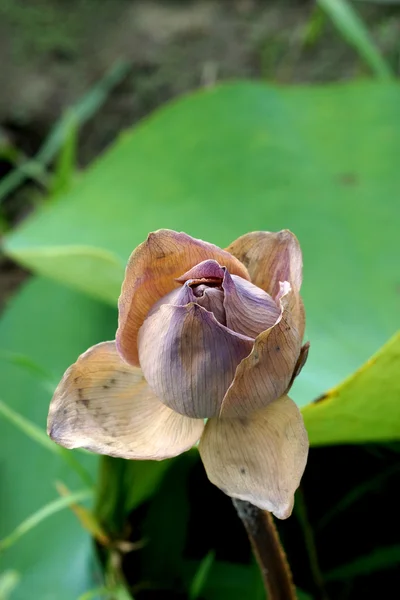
[104, 405]
[151, 273]
[301, 361]
[189, 359]
[270, 258]
[266, 373]
[259, 458]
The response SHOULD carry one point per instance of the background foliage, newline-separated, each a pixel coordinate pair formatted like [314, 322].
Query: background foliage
[225, 159]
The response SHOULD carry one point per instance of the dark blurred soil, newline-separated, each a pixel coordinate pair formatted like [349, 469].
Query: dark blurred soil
[52, 52]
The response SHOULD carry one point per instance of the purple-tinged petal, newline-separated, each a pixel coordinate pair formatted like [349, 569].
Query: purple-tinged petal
[189, 359]
[104, 405]
[213, 301]
[151, 274]
[270, 258]
[249, 310]
[266, 373]
[179, 297]
[208, 269]
[259, 458]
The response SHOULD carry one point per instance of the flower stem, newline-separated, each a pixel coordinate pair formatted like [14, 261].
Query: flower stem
[268, 550]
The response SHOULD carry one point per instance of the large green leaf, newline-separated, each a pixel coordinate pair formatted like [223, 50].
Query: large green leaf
[365, 407]
[51, 325]
[321, 161]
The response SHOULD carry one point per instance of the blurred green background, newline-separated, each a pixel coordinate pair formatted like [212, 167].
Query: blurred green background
[216, 118]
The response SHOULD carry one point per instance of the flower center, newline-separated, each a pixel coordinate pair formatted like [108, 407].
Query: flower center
[199, 287]
[210, 295]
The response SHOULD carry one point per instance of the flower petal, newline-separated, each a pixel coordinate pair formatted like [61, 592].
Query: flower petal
[213, 301]
[266, 373]
[301, 361]
[259, 458]
[270, 258]
[249, 310]
[151, 273]
[104, 405]
[208, 269]
[189, 359]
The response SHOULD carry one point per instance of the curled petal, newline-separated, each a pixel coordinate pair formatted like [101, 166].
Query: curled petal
[213, 301]
[104, 405]
[249, 310]
[151, 274]
[189, 359]
[208, 269]
[259, 458]
[178, 297]
[270, 258]
[266, 373]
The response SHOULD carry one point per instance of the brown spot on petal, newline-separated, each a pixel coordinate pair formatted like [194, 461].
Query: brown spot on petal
[245, 259]
[82, 398]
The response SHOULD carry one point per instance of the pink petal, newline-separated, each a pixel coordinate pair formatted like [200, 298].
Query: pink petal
[208, 269]
[151, 273]
[189, 359]
[104, 405]
[259, 458]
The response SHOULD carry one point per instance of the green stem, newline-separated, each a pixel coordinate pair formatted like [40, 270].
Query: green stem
[268, 550]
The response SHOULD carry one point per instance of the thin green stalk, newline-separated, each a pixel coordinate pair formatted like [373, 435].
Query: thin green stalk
[201, 575]
[42, 514]
[353, 30]
[8, 582]
[40, 437]
[83, 110]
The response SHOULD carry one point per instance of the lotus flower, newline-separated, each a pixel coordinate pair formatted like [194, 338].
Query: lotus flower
[203, 334]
